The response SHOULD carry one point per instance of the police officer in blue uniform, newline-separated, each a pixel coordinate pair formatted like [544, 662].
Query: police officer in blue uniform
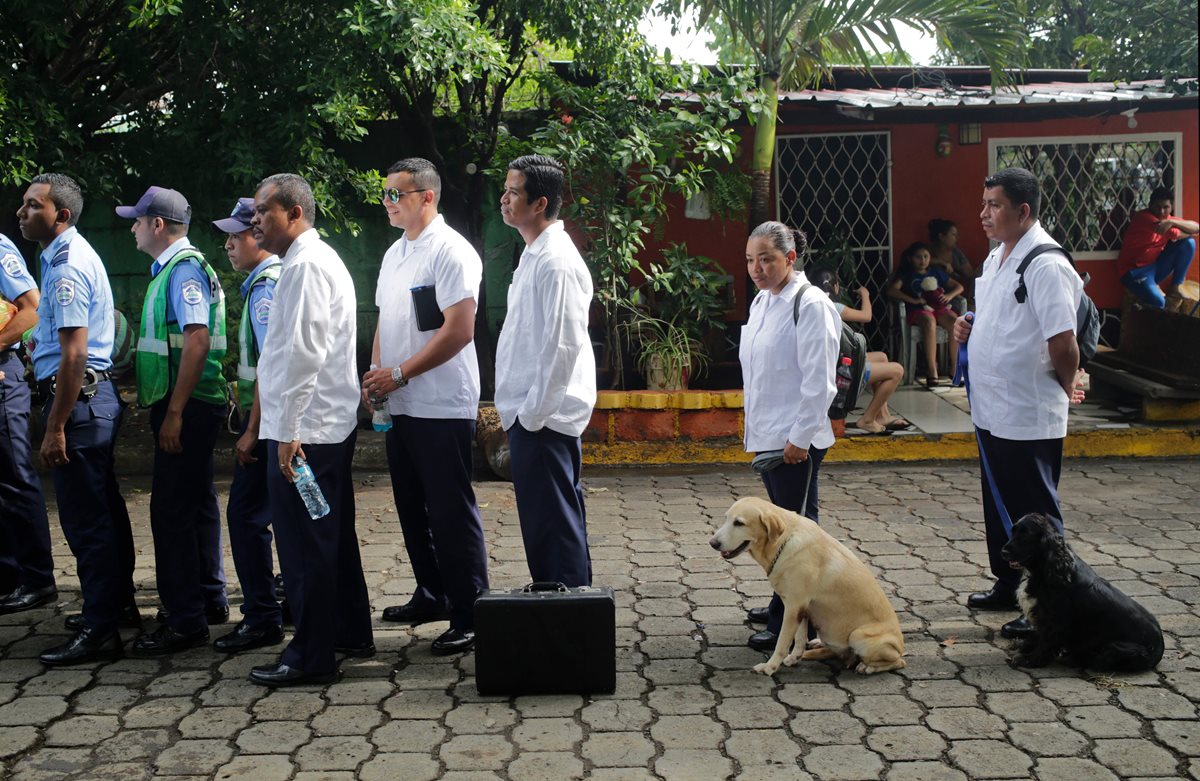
[71, 361]
[180, 342]
[26, 567]
[247, 513]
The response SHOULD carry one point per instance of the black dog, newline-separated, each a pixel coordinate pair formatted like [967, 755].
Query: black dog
[1076, 612]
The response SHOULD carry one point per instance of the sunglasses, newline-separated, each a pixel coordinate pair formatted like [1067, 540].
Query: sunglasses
[392, 195]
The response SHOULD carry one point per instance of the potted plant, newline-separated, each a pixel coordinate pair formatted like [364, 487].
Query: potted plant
[665, 353]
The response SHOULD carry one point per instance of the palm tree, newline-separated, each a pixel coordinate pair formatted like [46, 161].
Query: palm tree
[795, 42]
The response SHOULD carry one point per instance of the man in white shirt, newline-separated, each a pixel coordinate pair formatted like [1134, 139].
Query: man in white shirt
[430, 376]
[546, 374]
[308, 400]
[1023, 364]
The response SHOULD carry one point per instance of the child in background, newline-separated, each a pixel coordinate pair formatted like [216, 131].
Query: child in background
[880, 374]
[927, 291]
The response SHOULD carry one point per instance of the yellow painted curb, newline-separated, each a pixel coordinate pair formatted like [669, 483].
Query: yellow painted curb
[1099, 443]
[610, 400]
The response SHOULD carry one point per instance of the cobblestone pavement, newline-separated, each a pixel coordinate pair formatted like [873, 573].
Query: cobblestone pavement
[686, 705]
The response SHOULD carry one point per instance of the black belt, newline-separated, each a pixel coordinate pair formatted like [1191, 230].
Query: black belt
[91, 383]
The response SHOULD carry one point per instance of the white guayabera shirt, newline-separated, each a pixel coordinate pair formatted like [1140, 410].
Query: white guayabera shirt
[307, 380]
[545, 369]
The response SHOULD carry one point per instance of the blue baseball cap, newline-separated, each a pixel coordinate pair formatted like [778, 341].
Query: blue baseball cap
[159, 202]
[238, 220]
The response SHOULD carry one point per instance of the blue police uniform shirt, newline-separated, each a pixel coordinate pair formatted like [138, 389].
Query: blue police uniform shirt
[75, 294]
[188, 291]
[15, 279]
[261, 297]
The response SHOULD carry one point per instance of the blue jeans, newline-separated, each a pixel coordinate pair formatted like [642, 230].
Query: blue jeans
[1174, 262]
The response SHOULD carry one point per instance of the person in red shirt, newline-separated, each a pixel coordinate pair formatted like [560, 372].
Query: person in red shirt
[1157, 245]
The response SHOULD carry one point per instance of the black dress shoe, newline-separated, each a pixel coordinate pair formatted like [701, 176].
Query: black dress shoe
[453, 641]
[166, 640]
[996, 598]
[415, 614]
[763, 641]
[757, 615]
[282, 675]
[1018, 627]
[213, 616]
[86, 646]
[244, 637]
[26, 598]
[129, 618]
[365, 651]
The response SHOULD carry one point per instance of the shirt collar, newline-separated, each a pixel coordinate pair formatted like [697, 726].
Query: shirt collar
[792, 288]
[299, 244]
[165, 256]
[257, 272]
[60, 241]
[543, 237]
[435, 225]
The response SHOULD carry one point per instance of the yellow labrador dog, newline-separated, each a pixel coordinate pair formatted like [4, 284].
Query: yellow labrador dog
[819, 579]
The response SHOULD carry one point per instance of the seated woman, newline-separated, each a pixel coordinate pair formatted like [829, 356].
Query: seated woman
[1157, 246]
[945, 254]
[927, 290]
[880, 374]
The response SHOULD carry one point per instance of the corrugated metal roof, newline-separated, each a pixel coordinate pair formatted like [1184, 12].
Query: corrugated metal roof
[948, 95]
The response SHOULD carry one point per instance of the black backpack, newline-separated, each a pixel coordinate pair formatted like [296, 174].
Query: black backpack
[1087, 317]
[852, 345]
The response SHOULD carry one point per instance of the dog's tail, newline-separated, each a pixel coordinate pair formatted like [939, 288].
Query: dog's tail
[1127, 657]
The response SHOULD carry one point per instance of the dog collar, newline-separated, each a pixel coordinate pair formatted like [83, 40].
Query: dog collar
[778, 553]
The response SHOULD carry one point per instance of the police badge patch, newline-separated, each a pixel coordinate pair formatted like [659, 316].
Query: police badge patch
[64, 292]
[262, 310]
[12, 265]
[191, 292]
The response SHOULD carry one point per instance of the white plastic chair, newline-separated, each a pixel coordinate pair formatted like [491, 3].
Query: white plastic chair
[911, 342]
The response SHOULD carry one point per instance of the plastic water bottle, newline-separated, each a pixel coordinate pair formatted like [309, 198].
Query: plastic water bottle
[310, 492]
[381, 419]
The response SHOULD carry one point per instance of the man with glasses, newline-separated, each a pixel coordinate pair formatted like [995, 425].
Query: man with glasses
[428, 285]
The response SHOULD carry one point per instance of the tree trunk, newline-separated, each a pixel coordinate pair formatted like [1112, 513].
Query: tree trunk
[764, 153]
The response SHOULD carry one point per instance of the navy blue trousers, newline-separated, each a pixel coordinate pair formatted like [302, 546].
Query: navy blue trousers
[430, 465]
[185, 517]
[320, 560]
[249, 517]
[786, 486]
[545, 470]
[25, 558]
[91, 510]
[1026, 475]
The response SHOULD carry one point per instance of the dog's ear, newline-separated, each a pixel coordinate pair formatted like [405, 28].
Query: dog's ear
[773, 525]
[1060, 565]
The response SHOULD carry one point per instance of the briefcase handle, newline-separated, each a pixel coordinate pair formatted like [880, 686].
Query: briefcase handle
[545, 585]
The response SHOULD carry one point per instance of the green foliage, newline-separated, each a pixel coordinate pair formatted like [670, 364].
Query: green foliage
[690, 291]
[1119, 39]
[629, 141]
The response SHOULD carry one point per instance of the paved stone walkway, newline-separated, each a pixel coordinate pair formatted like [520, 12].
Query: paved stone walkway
[686, 706]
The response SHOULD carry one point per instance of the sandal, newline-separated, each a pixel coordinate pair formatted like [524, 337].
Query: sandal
[898, 424]
[871, 428]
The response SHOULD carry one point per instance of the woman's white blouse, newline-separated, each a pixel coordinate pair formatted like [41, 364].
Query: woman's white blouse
[788, 369]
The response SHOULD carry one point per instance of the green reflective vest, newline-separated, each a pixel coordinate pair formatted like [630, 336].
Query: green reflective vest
[160, 345]
[247, 372]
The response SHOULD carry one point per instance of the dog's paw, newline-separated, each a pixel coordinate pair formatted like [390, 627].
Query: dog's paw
[768, 667]
[792, 659]
[815, 643]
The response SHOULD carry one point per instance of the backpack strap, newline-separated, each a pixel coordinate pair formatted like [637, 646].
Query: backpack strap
[1021, 292]
[796, 302]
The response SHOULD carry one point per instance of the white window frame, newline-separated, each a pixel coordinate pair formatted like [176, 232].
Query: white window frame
[995, 143]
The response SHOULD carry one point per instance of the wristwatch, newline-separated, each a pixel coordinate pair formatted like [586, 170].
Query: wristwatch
[398, 377]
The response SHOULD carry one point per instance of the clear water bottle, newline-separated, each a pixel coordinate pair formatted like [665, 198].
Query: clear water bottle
[310, 492]
[381, 419]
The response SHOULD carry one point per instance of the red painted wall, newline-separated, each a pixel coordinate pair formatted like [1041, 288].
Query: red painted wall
[926, 186]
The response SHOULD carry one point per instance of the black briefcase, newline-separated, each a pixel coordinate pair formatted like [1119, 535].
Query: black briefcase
[546, 639]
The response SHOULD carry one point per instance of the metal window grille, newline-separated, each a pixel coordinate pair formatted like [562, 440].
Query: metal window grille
[1091, 185]
[837, 189]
